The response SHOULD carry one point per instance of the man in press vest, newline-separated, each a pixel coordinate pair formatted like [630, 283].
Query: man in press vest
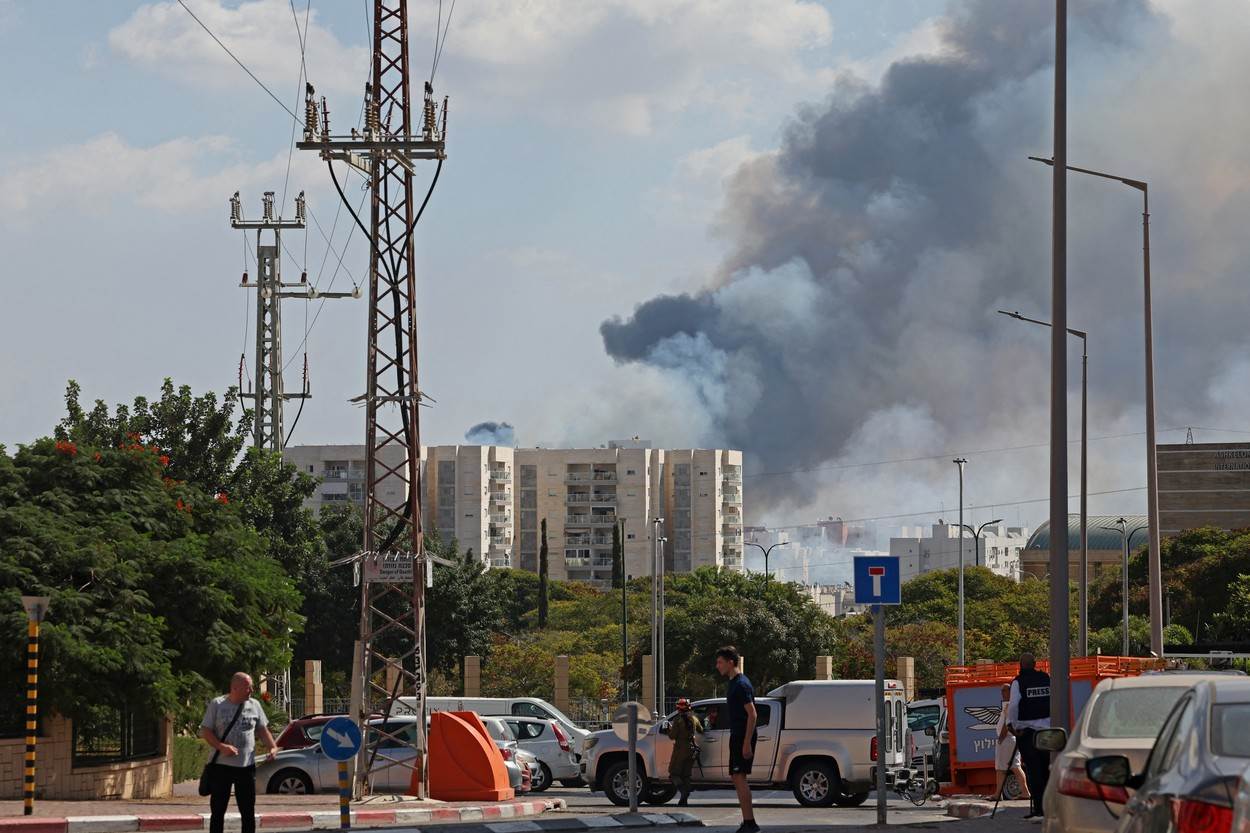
[1028, 710]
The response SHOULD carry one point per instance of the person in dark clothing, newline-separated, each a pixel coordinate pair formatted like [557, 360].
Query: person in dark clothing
[684, 730]
[742, 738]
[231, 724]
[1028, 711]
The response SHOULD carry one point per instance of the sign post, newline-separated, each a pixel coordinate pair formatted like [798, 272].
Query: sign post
[340, 741]
[631, 720]
[878, 583]
[36, 609]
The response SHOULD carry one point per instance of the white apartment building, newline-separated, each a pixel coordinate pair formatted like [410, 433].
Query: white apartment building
[838, 600]
[999, 548]
[341, 470]
[493, 499]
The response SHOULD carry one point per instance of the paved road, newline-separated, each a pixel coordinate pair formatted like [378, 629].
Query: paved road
[778, 809]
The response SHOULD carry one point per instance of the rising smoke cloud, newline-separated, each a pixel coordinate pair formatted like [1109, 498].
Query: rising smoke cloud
[491, 433]
[854, 314]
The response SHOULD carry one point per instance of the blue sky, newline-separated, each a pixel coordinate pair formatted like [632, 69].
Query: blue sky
[601, 153]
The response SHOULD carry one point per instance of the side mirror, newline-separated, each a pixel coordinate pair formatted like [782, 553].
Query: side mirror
[931, 731]
[1109, 770]
[1051, 740]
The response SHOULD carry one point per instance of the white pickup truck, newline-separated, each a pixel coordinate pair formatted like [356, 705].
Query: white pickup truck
[816, 738]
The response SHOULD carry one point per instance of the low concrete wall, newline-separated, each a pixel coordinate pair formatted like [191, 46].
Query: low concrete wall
[57, 779]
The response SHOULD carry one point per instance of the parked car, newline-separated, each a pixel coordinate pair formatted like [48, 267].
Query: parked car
[1122, 717]
[925, 714]
[1194, 771]
[552, 747]
[817, 738]
[499, 707]
[305, 731]
[308, 770]
[519, 763]
[1241, 805]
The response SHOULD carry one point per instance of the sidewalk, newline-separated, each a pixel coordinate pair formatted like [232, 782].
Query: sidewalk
[278, 813]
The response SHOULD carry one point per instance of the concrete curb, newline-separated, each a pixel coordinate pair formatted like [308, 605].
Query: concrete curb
[968, 809]
[314, 820]
[577, 824]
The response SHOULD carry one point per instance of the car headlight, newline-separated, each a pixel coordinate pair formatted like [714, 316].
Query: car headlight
[590, 743]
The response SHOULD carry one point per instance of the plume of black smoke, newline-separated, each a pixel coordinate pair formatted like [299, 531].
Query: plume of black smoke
[491, 433]
[868, 248]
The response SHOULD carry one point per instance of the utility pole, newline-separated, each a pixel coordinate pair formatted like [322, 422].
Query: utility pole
[395, 566]
[268, 430]
[961, 462]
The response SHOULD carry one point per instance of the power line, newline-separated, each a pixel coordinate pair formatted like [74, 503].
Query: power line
[242, 66]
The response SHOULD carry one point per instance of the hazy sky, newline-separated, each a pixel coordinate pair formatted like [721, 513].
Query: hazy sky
[606, 152]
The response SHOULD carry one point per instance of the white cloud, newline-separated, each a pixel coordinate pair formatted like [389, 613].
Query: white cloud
[99, 174]
[164, 38]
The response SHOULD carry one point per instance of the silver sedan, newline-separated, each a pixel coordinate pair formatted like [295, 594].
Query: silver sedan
[550, 745]
[309, 770]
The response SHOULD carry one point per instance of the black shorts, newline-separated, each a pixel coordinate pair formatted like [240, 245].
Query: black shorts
[739, 764]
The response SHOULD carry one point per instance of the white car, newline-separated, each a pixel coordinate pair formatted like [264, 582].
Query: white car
[550, 745]
[502, 707]
[1122, 717]
[1241, 806]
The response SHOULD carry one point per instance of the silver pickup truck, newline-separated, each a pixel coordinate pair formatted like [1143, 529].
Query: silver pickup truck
[816, 738]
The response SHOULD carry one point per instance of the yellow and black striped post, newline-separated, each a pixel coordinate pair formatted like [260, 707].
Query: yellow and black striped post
[32, 715]
[345, 798]
[36, 607]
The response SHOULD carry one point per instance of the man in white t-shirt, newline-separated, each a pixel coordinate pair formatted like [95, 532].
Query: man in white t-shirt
[230, 725]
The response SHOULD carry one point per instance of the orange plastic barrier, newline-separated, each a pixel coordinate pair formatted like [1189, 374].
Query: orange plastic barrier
[465, 764]
[973, 701]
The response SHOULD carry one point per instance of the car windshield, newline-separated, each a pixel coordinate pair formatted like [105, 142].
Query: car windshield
[921, 718]
[1132, 712]
[1228, 730]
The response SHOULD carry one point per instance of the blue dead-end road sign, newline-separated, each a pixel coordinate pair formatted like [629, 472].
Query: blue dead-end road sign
[340, 739]
[878, 580]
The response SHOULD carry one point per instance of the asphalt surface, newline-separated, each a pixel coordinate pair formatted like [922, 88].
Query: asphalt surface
[777, 810]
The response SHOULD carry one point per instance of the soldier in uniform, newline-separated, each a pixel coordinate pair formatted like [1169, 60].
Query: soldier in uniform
[684, 730]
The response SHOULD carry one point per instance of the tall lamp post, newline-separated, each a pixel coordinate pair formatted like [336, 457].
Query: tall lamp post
[1152, 461]
[961, 462]
[770, 548]
[624, 619]
[1083, 581]
[976, 538]
[657, 614]
[1126, 538]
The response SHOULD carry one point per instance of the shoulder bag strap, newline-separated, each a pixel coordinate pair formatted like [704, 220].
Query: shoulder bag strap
[229, 726]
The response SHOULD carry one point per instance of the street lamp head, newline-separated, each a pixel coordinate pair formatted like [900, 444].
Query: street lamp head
[1043, 160]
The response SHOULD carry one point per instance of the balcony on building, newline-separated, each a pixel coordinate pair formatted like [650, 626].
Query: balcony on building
[334, 471]
[734, 537]
[603, 497]
[501, 475]
[500, 517]
[577, 540]
[733, 494]
[501, 497]
[576, 559]
[500, 559]
[577, 520]
[604, 475]
[604, 519]
[577, 497]
[498, 540]
[732, 474]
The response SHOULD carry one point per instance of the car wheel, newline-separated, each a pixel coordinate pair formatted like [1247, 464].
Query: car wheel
[851, 800]
[290, 782]
[1011, 788]
[815, 784]
[540, 778]
[616, 784]
[572, 783]
[658, 794]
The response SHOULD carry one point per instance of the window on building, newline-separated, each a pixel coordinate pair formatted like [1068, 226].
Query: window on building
[702, 474]
[551, 493]
[468, 492]
[629, 536]
[630, 471]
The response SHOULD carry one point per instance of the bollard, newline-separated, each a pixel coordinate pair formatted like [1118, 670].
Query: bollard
[36, 608]
[345, 798]
[633, 757]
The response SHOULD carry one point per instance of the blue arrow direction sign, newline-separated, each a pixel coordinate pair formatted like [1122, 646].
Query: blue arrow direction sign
[340, 739]
[878, 580]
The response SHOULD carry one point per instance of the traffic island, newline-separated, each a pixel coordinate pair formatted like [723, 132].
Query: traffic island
[285, 820]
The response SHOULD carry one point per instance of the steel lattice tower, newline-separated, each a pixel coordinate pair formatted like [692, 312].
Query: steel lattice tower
[392, 623]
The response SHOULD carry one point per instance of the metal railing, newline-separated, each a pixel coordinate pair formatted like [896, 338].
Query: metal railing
[500, 517]
[501, 475]
[501, 497]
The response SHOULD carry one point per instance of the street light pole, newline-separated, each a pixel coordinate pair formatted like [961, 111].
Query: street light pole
[659, 674]
[766, 552]
[1059, 650]
[624, 620]
[1083, 580]
[1126, 538]
[961, 462]
[1152, 462]
[976, 537]
[656, 578]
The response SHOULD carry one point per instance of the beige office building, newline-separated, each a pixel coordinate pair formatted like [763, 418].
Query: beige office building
[341, 472]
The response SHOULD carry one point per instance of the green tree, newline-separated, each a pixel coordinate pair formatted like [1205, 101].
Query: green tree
[460, 608]
[159, 589]
[1233, 623]
[331, 598]
[543, 601]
